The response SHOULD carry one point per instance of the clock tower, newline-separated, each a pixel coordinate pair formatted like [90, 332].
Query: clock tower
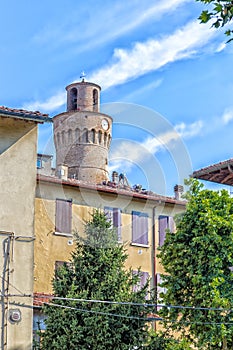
[82, 134]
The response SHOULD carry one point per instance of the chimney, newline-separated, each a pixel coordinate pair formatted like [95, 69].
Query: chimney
[115, 177]
[178, 190]
[62, 171]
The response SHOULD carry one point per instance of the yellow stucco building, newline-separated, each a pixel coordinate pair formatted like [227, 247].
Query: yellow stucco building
[63, 207]
[18, 154]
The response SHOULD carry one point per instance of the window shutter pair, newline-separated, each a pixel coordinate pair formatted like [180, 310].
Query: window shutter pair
[114, 216]
[165, 223]
[159, 290]
[143, 279]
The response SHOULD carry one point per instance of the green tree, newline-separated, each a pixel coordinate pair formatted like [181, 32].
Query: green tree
[221, 13]
[161, 341]
[197, 259]
[96, 272]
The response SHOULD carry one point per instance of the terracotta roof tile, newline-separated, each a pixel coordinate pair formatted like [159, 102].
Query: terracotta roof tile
[108, 189]
[25, 114]
[221, 173]
[41, 298]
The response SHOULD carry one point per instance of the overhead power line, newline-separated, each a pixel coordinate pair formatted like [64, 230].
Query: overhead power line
[105, 313]
[137, 304]
[146, 319]
[149, 305]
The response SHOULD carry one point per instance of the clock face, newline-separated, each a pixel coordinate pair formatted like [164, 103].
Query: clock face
[105, 124]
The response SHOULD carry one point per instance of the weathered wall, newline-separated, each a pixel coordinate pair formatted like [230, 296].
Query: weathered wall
[18, 141]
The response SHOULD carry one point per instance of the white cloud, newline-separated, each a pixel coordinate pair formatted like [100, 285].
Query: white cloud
[50, 104]
[143, 15]
[221, 47]
[115, 20]
[153, 54]
[227, 116]
[142, 58]
[191, 130]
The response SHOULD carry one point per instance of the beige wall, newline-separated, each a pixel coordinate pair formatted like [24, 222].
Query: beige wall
[49, 247]
[18, 141]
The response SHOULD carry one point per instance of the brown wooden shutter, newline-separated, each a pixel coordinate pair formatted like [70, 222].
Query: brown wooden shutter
[117, 221]
[63, 220]
[171, 224]
[114, 217]
[140, 228]
[159, 289]
[163, 225]
[143, 277]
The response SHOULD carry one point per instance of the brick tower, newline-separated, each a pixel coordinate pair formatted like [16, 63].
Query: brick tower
[82, 135]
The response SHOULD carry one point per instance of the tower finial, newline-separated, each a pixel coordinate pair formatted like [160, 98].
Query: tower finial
[82, 76]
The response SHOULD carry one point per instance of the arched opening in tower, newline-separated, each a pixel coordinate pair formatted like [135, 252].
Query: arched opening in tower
[74, 98]
[95, 100]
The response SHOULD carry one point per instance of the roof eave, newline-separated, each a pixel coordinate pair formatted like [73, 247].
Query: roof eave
[30, 117]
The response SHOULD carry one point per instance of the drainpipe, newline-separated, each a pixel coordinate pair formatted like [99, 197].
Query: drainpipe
[6, 244]
[153, 253]
[153, 249]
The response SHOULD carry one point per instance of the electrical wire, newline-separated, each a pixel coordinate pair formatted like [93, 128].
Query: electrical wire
[102, 313]
[198, 322]
[146, 319]
[137, 304]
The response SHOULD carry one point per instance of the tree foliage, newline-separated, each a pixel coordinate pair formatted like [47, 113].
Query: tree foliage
[197, 259]
[96, 272]
[160, 341]
[221, 13]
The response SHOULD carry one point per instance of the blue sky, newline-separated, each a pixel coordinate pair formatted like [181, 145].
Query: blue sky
[153, 60]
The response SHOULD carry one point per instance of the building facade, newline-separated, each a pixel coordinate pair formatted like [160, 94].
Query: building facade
[42, 212]
[65, 202]
[64, 206]
[18, 154]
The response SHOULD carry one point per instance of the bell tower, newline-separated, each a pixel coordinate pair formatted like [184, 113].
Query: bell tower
[82, 134]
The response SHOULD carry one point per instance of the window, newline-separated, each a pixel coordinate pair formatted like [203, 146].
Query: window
[38, 321]
[63, 221]
[139, 228]
[63, 137]
[100, 137]
[165, 223]
[73, 98]
[95, 100]
[114, 216]
[143, 278]
[39, 163]
[59, 264]
[159, 290]
[77, 135]
[92, 135]
[70, 136]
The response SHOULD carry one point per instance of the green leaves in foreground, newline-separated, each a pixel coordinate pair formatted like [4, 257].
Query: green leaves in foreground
[197, 259]
[220, 14]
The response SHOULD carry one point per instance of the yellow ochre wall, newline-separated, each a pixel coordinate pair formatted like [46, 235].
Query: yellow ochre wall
[50, 247]
[18, 139]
